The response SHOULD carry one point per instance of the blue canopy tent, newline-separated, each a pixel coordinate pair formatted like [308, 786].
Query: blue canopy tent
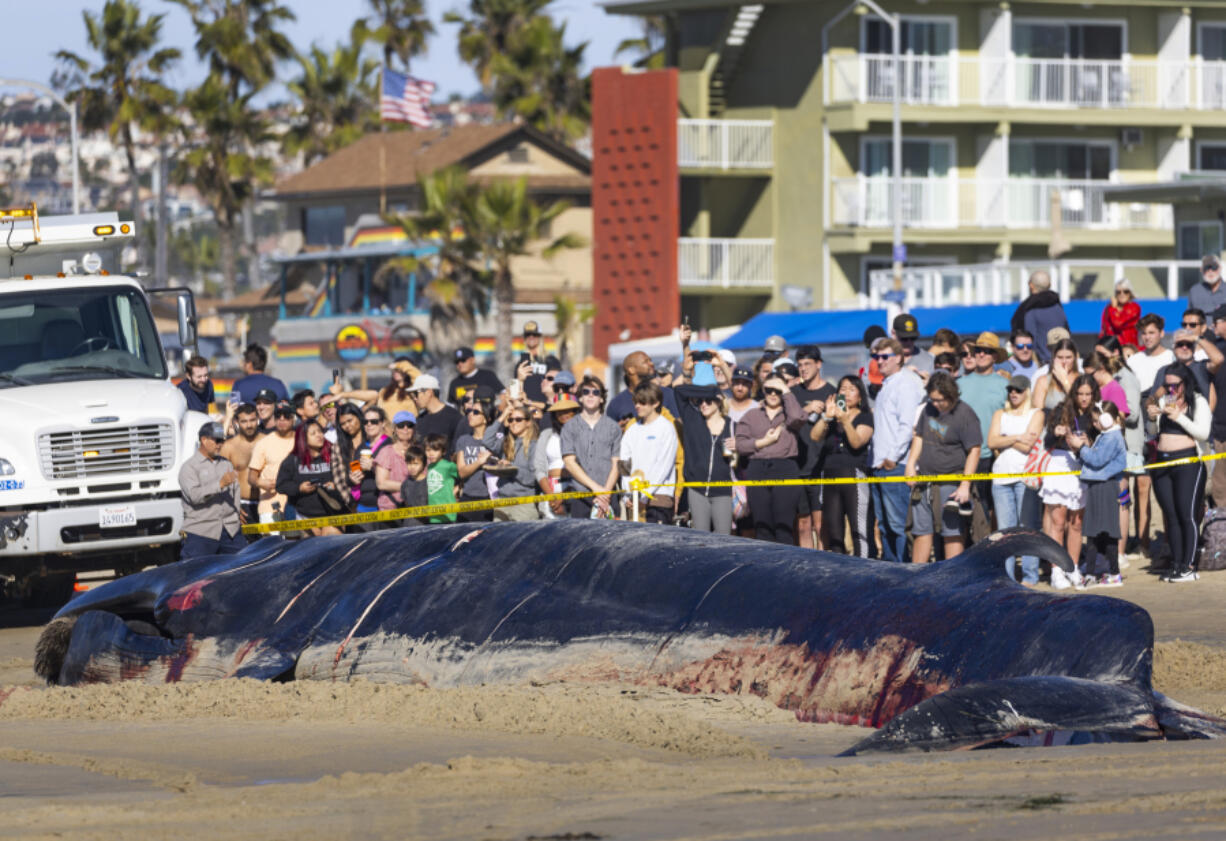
[847, 327]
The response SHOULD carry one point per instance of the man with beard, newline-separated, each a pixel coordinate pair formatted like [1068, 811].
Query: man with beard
[237, 450]
[812, 393]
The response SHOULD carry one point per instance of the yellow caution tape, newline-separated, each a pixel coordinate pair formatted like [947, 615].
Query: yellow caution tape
[642, 486]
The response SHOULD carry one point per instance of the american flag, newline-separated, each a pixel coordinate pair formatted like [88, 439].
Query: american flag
[405, 99]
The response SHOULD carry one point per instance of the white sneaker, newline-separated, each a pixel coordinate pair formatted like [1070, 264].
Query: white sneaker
[1078, 580]
[1124, 564]
[1059, 580]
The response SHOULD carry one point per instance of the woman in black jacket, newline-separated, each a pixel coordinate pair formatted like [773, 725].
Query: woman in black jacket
[706, 434]
[305, 477]
[844, 432]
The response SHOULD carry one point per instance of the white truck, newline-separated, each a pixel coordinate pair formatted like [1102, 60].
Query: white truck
[92, 430]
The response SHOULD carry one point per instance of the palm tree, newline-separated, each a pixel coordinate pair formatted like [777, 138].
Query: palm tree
[489, 28]
[539, 79]
[216, 160]
[240, 40]
[504, 222]
[122, 92]
[337, 95]
[459, 290]
[570, 318]
[402, 27]
[649, 45]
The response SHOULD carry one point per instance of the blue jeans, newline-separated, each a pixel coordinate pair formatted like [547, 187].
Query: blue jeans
[891, 500]
[1010, 512]
[196, 546]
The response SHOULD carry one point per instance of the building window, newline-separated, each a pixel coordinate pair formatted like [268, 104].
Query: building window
[920, 158]
[1060, 39]
[324, 225]
[518, 155]
[1211, 156]
[1060, 159]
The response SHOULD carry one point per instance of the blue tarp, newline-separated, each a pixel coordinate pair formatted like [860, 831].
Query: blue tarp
[820, 327]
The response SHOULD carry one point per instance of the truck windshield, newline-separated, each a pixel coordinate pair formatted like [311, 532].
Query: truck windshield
[98, 332]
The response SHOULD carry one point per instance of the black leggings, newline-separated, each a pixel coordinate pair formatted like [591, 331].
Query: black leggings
[1181, 496]
[850, 503]
[1102, 545]
[773, 508]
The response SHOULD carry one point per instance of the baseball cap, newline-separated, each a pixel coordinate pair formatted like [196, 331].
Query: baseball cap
[213, 430]
[785, 367]
[401, 417]
[424, 382]
[484, 394]
[464, 353]
[742, 373]
[1055, 334]
[872, 333]
[905, 326]
[728, 356]
[1019, 381]
[563, 378]
[284, 407]
[809, 352]
[531, 328]
[1210, 261]
[266, 395]
[775, 344]
[1219, 314]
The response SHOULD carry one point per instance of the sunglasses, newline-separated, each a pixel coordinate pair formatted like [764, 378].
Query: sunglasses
[709, 400]
[1192, 324]
[589, 392]
[405, 425]
[1171, 388]
[1013, 390]
[988, 351]
[1186, 345]
[1024, 346]
[517, 420]
[964, 354]
[881, 357]
[775, 391]
[474, 411]
[372, 421]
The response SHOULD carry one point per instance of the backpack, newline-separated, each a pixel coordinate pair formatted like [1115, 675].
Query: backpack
[1213, 541]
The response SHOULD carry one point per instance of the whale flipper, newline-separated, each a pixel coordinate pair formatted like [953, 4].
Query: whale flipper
[993, 711]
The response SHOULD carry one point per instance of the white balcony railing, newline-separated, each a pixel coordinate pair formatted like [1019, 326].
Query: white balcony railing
[1005, 283]
[1020, 82]
[726, 263]
[725, 144]
[867, 201]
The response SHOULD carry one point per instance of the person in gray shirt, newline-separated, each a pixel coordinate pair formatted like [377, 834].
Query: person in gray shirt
[1210, 293]
[591, 445]
[210, 491]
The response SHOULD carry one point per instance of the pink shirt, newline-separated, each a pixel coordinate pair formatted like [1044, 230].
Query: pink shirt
[1114, 392]
[397, 469]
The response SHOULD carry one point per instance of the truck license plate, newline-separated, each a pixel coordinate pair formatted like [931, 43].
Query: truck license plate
[117, 516]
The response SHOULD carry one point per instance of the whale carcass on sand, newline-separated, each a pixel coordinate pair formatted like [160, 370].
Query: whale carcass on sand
[938, 656]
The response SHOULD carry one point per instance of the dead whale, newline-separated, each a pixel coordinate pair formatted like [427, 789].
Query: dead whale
[937, 656]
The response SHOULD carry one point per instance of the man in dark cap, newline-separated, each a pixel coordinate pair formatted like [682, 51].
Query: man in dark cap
[209, 488]
[469, 376]
[740, 398]
[812, 393]
[906, 330]
[534, 350]
[265, 402]
[1210, 293]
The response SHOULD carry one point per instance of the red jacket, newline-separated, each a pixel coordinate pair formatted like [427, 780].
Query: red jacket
[1122, 323]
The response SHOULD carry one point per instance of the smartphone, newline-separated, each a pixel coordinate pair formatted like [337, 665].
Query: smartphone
[701, 355]
[841, 402]
[336, 375]
[516, 390]
[686, 321]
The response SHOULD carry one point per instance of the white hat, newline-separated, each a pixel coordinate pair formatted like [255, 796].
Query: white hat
[728, 356]
[423, 382]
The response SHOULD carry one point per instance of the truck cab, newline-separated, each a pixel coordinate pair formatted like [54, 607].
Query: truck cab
[92, 430]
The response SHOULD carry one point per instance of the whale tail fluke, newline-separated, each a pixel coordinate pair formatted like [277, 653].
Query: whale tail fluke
[1020, 709]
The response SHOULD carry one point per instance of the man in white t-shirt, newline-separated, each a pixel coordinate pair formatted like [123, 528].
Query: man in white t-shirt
[1152, 356]
[650, 445]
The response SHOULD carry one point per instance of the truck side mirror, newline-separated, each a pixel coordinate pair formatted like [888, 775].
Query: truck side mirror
[187, 320]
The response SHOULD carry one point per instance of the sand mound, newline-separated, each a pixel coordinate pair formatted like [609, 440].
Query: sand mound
[1189, 665]
[606, 712]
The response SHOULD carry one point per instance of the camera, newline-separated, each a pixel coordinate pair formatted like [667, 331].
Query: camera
[701, 355]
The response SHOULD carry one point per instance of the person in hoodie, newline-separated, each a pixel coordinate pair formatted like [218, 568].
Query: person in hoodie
[305, 477]
[710, 446]
[1102, 465]
[1040, 312]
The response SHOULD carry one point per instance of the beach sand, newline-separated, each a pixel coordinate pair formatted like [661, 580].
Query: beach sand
[244, 759]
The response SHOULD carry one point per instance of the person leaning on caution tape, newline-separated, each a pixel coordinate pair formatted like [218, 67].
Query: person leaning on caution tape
[210, 492]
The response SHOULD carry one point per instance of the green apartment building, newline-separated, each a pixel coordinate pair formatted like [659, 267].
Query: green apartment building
[1011, 112]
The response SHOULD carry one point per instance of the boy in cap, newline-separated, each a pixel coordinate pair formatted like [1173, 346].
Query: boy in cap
[469, 376]
[209, 488]
[906, 330]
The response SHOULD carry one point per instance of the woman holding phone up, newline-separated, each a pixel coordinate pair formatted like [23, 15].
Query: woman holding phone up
[844, 431]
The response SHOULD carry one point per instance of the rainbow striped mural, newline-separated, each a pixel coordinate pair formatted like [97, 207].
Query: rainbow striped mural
[310, 351]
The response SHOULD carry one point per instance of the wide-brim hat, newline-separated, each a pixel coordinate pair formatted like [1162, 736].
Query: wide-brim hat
[565, 404]
[991, 342]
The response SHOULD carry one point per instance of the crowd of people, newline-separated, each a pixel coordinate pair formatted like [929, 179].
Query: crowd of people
[1028, 405]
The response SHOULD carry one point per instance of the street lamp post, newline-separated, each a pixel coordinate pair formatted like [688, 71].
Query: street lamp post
[895, 24]
[71, 108]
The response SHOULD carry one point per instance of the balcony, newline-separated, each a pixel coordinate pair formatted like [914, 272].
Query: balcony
[726, 263]
[725, 144]
[1020, 82]
[1014, 203]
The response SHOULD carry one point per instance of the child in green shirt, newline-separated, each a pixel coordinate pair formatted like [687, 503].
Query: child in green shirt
[442, 477]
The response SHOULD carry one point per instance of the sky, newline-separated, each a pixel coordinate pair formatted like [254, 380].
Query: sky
[38, 29]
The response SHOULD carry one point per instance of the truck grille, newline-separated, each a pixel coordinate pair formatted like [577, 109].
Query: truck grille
[80, 453]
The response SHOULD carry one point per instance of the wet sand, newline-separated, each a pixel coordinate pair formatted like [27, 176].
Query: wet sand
[243, 759]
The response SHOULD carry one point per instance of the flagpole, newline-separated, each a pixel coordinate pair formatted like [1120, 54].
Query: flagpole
[382, 146]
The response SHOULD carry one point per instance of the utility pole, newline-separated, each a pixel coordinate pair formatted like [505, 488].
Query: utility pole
[161, 267]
